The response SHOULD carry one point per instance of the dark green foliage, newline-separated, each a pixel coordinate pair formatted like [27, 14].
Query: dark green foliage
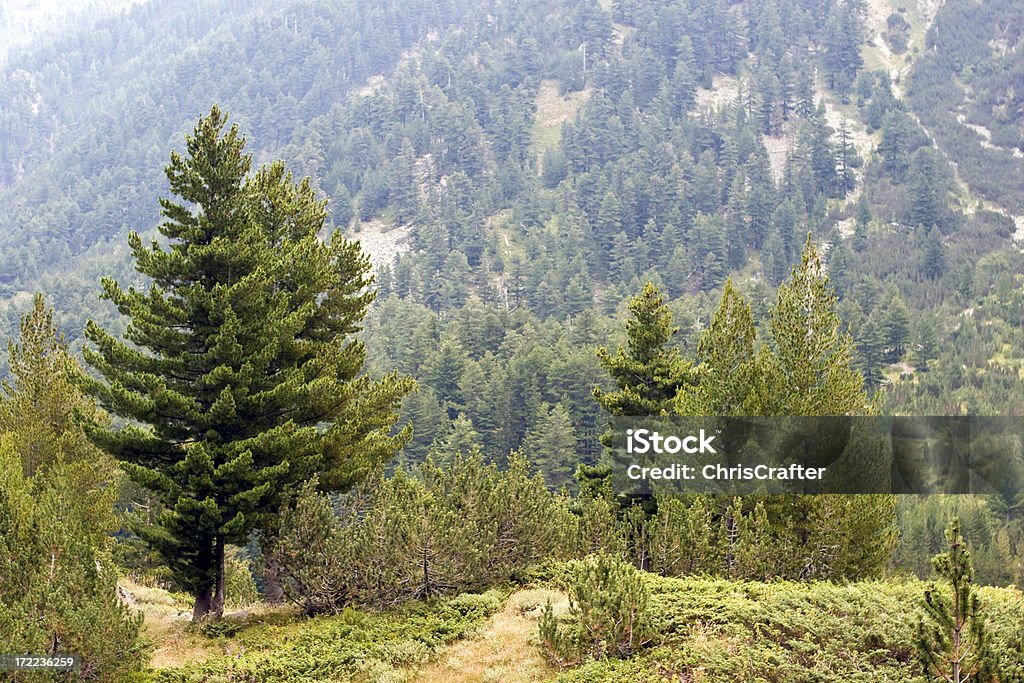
[551, 445]
[842, 55]
[555, 166]
[307, 554]
[934, 254]
[927, 341]
[519, 269]
[649, 372]
[952, 640]
[238, 361]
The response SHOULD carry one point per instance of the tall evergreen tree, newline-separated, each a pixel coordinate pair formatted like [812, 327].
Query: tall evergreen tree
[726, 361]
[649, 372]
[40, 399]
[809, 371]
[238, 374]
[58, 590]
[551, 444]
[934, 254]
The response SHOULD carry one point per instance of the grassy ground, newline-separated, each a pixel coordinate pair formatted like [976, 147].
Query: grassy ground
[553, 110]
[705, 630]
[271, 644]
[504, 651]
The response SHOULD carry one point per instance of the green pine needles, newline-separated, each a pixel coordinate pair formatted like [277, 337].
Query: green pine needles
[238, 376]
[952, 644]
[608, 613]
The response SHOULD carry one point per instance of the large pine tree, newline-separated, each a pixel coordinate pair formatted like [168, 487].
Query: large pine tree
[238, 376]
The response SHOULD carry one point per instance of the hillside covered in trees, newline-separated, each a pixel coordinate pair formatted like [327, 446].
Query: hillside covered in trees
[320, 311]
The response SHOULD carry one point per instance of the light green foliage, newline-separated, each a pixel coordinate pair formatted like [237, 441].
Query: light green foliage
[351, 646]
[58, 592]
[682, 536]
[726, 369]
[807, 370]
[239, 585]
[41, 401]
[597, 526]
[608, 613]
[952, 639]
[752, 632]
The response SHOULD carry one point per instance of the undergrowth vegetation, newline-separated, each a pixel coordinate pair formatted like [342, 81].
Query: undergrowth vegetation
[351, 645]
[720, 630]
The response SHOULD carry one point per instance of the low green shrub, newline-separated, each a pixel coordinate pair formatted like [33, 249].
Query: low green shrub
[720, 630]
[608, 604]
[350, 645]
[435, 531]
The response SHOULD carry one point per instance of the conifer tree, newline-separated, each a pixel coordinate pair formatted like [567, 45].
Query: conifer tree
[40, 399]
[952, 644]
[863, 217]
[809, 371]
[649, 372]
[896, 324]
[58, 590]
[550, 444]
[927, 334]
[238, 374]
[934, 254]
[726, 361]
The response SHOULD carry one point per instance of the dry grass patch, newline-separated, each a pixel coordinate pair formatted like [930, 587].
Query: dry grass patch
[553, 110]
[505, 650]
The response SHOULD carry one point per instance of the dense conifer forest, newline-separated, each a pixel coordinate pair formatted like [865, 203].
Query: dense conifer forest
[318, 313]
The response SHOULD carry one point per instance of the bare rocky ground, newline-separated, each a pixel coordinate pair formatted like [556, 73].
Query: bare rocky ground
[381, 241]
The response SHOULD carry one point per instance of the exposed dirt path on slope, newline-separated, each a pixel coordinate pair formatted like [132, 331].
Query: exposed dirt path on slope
[504, 651]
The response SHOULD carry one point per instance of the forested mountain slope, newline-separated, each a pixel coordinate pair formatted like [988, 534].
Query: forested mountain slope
[965, 88]
[577, 209]
[541, 161]
[23, 24]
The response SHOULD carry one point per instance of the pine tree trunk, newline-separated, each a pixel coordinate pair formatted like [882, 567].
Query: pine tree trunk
[273, 592]
[204, 603]
[217, 609]
[210, 595]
